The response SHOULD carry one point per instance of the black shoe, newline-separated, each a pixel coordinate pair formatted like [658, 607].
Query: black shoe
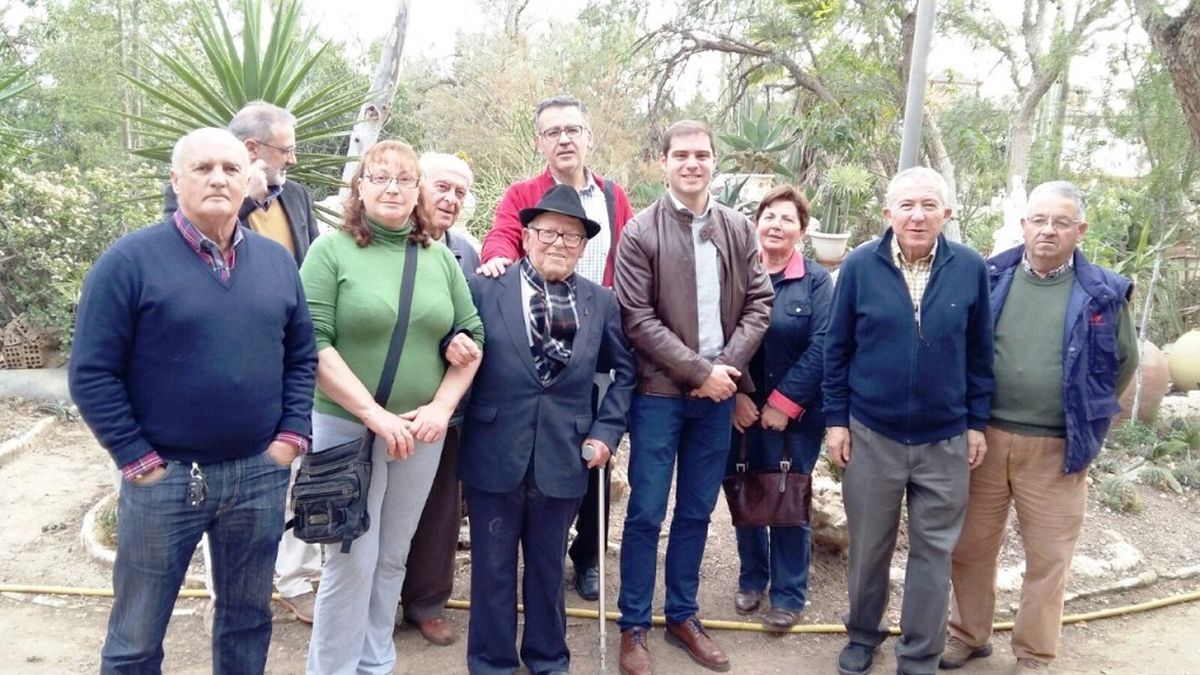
[587, 582]
[855, 659]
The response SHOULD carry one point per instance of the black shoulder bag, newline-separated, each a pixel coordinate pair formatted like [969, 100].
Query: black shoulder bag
[329, 498]
[775, 497]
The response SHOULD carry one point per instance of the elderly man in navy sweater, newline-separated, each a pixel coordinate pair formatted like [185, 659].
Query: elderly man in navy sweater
[908, 378]
[193, 364]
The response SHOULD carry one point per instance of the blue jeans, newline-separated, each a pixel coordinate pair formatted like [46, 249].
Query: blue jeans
[157, 533]
[778, 556]
[661, 428]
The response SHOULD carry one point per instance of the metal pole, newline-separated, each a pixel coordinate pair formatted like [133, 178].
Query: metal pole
[603, 544]
[914, 102]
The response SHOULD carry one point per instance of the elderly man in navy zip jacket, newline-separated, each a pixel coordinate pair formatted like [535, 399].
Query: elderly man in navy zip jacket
[908, 380]
[1065, 349]
[529, 418]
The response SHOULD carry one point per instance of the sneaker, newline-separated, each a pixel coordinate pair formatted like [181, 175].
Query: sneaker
[1032, 666]
[301, 605]
[855, 659]
[958, 652]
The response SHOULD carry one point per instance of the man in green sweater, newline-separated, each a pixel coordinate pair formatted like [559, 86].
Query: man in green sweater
[1065, 349]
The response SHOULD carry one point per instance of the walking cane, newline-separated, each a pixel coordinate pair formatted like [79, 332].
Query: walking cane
[589, 451]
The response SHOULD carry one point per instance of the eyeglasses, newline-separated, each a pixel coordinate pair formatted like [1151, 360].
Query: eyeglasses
[290, 150]
[573, 132]
[548, 237]
[1059, 223]
[384, 180]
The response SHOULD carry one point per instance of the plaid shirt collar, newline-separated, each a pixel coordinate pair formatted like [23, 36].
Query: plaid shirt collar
[207, 249]
[273, 192]
[1057, 271]
[589, 182]
[901, 262]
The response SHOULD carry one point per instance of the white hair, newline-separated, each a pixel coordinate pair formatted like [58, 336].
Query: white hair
[920, 173]
[1061, 188]
[433, 162]
[206, 135]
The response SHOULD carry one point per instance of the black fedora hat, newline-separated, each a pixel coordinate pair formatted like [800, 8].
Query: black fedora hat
[565, 200]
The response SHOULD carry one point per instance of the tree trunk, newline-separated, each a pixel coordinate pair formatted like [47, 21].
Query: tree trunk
[383, 88]
[1177, 41]
[940, 160]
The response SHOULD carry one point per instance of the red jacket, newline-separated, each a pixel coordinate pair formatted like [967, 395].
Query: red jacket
[504, 239]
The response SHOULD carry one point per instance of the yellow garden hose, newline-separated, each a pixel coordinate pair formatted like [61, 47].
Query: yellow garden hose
[717, 624]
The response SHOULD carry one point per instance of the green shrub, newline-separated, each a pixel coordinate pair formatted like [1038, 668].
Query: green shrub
[1188, 473]
[1160, 478]
[54, 227]
[1120, 495]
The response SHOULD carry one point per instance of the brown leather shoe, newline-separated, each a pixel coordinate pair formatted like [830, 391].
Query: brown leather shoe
[437, 631]
[691, 636]
[635, 653]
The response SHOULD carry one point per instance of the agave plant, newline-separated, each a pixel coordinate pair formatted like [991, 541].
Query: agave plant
[759, 145]
[273, 69]
[845, 188]
[12, 139]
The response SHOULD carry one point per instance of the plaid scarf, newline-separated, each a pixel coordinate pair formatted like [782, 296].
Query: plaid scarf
[553, 321]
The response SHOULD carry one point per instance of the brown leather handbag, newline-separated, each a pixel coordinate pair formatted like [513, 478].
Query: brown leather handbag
[775, 497]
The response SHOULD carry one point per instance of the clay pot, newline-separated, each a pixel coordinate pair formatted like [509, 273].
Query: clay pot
[1155, 384]
[1184, 361]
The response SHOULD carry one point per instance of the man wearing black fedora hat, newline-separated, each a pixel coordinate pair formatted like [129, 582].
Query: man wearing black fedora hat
[528, 420]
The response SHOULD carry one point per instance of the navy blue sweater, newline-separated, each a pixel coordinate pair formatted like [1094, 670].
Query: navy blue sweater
[167, 357]
[911, 383]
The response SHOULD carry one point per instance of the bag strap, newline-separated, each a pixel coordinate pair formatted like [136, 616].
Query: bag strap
[743, 461]
[384, 390]
[785, 460]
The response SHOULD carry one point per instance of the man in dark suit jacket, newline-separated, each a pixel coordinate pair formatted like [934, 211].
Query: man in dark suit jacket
[528, 420]
[280, 210]
[275, 207]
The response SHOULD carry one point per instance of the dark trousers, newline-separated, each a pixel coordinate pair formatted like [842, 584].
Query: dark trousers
[585, 549]
[499, 524]
[429, 580]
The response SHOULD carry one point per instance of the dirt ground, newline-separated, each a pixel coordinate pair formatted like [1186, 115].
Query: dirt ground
[45, 492]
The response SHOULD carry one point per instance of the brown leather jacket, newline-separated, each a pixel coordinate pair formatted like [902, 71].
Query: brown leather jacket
[655, 282]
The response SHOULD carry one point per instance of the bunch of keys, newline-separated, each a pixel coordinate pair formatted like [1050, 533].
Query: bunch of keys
[197, 487]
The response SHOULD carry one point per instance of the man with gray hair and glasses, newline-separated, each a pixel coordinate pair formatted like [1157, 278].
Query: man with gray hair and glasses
[280, 210]
[1065, 349]
[564, 138]
[274, 207]
[908, 380]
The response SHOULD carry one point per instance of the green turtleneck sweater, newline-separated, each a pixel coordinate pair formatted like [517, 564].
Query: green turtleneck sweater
[353, 295]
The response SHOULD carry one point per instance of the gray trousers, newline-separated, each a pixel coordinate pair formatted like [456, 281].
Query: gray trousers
[356, 602]
[935, 478]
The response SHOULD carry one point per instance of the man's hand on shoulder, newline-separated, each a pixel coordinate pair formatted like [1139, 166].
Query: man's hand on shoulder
[494, 267]
[720, 385]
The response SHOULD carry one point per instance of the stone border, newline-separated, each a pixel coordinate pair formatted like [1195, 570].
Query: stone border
[107, 556]
[13, 448]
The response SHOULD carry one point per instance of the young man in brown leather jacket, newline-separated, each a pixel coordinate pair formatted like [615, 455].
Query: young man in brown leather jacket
[695, 303]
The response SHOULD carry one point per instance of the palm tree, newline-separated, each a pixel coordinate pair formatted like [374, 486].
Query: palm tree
[207, 93]
[12, 140]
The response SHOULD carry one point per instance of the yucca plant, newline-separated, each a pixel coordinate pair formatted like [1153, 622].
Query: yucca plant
[12, 140]
[844, 189]
[271, 67]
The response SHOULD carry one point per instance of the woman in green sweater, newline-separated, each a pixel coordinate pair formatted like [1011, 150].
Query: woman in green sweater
[352, 281]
